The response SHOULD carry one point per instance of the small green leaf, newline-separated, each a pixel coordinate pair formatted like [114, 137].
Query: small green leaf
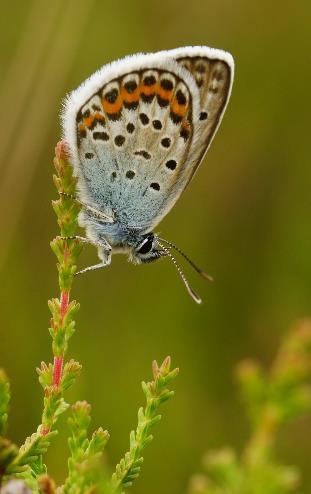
[45, 373]
[30, 453]
[71, 371]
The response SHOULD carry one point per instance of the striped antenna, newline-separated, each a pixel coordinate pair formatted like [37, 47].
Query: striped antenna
[198, 270]
[190, 290]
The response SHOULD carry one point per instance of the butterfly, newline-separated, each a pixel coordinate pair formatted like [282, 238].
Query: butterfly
[137, 131]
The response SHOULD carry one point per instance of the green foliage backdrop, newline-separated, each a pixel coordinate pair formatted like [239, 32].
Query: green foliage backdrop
[245, 217]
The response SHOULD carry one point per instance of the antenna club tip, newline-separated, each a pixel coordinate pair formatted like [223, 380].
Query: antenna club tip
[194, 296]
[207, 276]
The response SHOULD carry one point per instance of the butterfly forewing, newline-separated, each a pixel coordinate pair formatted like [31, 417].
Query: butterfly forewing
[132, 137]
[138, 129]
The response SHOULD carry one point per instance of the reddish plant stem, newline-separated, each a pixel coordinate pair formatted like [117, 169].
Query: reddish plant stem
[64, 302]
[57, 370]
[58, 360]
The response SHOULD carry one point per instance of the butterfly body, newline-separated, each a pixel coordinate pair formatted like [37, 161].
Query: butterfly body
[137, 131]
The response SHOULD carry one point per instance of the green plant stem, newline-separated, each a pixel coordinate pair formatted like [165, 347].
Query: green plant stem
[156, 392]
[67, 252]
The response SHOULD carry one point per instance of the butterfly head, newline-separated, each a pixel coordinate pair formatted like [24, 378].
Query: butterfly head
[145, 249]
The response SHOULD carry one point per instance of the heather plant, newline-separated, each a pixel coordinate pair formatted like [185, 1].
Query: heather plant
[272, 399]
[86, 472]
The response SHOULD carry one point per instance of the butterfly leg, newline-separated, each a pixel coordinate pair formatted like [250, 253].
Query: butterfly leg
[83, 240]
[92, 268]
[94, 212]
[104, 251]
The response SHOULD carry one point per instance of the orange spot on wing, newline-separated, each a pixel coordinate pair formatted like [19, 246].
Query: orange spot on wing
[112, 107]
[148, 90]
[88, 121]
[164, 93]
[99, 116]
[179, 109]
[130, 97]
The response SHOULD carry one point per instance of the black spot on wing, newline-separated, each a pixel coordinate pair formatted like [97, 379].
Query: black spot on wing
[175, 118]
[130, 86]
[181, 98]
[119, 140]
[163, 103]
[144, 118]
[155, 186]
[100, 136]
[184, 133]
[114, 116]
[147, 98]
[171, 164]
[157, 124]
[143, 153]
[167, 84]
[130, 127]
[166, 142]
[130, 105]
[130, 174]
[149, 80]
[112, 95]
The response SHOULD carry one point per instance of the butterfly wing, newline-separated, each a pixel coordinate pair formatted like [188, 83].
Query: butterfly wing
[213, 72]
[136, 132]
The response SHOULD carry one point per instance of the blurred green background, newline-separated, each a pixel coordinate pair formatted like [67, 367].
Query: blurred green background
[245, 217]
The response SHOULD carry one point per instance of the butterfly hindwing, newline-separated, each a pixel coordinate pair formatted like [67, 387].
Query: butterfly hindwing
[213, 72]
[138, 129]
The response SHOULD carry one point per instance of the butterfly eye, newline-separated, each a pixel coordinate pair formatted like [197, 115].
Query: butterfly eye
[146, 245]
